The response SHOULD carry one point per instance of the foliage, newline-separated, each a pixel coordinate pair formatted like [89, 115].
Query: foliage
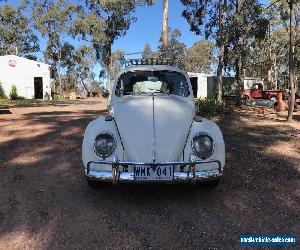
[2, 93]
[146, 51]
[13, 94]
[212, 16]
[53, 20]
[199, 57]
[175, 50]
[84, 60]
[211, 107]
[269, 58]
[115, 18]
[247, 27]
[235, 26]
[16, 36]
[117, 61]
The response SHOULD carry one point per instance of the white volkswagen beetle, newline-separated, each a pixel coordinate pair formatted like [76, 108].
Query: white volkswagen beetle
[152, 134]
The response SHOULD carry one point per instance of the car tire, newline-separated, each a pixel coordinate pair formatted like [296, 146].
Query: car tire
[211, 184]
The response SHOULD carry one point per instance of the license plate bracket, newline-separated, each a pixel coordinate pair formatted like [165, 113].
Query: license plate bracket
[153, 173]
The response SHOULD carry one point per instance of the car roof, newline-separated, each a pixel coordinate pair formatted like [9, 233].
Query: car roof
[152, 68]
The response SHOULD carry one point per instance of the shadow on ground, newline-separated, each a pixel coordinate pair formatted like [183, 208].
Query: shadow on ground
[46, 203]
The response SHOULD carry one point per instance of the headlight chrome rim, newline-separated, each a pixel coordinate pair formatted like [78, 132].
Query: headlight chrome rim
[104, 156]
[202, 133]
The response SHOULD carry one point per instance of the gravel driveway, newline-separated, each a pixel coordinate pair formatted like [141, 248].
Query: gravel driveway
[45, 202]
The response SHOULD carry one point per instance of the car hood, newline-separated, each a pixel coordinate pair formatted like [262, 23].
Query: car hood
[153, 128]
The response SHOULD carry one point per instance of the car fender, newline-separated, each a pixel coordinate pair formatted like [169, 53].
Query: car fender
[92, 131]
[213, 130]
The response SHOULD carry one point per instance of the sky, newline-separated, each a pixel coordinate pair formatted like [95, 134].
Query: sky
[147, 28]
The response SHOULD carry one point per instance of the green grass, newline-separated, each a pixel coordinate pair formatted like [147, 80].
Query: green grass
[7, 103]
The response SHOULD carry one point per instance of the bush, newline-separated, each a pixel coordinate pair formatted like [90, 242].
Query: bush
[2, 93]
[13, 94]
[211, 107]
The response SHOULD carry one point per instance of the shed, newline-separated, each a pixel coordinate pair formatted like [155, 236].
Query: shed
[32, 78]
[199, 84]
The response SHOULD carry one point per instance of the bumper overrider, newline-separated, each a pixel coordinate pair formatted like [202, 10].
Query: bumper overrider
[187, 173]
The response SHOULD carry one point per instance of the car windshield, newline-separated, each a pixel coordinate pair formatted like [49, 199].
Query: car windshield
[152, 82]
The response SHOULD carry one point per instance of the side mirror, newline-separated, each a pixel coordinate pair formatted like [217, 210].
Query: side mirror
[105, 93]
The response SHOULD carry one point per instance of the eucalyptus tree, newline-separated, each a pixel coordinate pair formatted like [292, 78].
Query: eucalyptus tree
[113, 21]
[210, 17]
[53, 19]
[16, 36]
[175, 49]
[83, 63]
[247, 26]
[235, 25]
[117, 61]
[146, 51]
[200, 57]
[165, 25]
[289, 12]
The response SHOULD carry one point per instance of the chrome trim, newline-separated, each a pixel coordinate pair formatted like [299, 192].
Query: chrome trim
[114, 148]
[154, 134]
[202, 133]
[116, 176]
[115, 170]
[114, 120]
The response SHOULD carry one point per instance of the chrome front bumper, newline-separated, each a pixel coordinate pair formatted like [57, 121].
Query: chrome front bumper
[117, 176]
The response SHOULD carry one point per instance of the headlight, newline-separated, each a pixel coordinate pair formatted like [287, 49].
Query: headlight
[203, 145]
[105, 144]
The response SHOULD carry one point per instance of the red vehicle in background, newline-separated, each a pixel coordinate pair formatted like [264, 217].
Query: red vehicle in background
[257, 92]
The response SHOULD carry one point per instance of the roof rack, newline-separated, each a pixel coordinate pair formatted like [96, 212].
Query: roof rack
[149, 61]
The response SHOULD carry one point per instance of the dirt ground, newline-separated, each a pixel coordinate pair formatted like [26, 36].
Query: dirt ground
[45, 202]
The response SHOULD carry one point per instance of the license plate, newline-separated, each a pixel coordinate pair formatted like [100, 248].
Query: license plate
[153, 173]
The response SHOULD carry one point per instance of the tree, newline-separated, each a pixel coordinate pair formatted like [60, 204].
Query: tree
[246, 27]
[291, 64]
[115, 18]
[53, 19]
[175, 50]
[165, 25]
[212, 16]
[235, 25]
[199, 57]
[16, 36]
[117, 61]
[84, 60]
[146, 51]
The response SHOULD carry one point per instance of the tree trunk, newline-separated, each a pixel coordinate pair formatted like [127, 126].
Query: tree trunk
[59, 76]
[238, 74]
[222, 13]
[108, 61]
[275, 72]
[88, 93]
[165, 24]
[291, 68]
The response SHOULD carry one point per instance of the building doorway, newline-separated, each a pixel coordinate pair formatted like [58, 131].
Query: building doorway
[38, 88]
[194, 83]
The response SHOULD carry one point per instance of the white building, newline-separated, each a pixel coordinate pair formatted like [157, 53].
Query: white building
[31, 78]
[199, 84]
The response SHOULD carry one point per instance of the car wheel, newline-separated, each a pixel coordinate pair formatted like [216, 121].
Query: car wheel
[273, 98]
[211, 184]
